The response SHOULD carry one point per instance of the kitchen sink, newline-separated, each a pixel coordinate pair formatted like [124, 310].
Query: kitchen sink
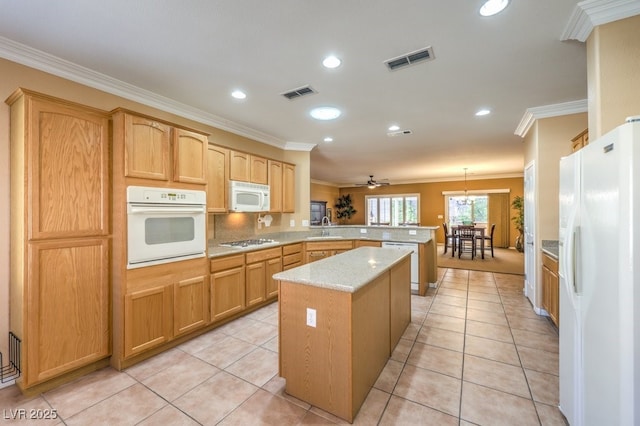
[326, 237]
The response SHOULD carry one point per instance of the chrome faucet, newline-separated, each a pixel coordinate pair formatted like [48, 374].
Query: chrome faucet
[324, 231]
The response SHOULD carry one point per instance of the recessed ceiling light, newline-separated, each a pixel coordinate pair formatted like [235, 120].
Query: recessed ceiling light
[325, 113]
[492, 7]
[331, 62]
[238, 94]
[482, 112]
[394, 128]
[328, 139]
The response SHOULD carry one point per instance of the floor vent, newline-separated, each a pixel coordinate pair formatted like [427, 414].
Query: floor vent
[300, 91]
[411, 58]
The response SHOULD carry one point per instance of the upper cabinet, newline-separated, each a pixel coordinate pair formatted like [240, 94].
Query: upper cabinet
[218, 176]
[275, 186]
[580, 141]
[288, 188]
[190, 156]
[248, 168]
[148, 154]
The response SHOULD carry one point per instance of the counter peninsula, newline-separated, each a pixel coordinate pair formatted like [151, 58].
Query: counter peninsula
[340, 319]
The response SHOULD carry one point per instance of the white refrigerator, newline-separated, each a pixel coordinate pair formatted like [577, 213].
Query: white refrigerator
[599, 262]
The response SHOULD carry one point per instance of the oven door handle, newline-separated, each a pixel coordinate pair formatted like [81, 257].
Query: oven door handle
[143, 209]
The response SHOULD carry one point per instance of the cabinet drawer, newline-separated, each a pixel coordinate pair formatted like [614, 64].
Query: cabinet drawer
[330, 245]
[291, 258]
[550, 263]
[260, 255]
[292, 248]
[227, 263]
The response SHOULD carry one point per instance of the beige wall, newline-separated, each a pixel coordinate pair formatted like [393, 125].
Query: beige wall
[613, 74]
[431, 198]
[15, 75]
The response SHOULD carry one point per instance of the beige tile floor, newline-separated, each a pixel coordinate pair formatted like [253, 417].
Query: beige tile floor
[474, 353]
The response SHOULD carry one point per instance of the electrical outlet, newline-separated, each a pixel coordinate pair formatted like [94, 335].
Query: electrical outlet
[363, 231]
[440, 216]
[305, 222]
[292, 223]
[413, 232]
[311, 317]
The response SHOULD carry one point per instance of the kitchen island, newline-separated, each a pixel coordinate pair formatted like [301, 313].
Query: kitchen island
[340, 319]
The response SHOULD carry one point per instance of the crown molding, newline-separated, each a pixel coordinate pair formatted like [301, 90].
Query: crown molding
[555, 110]
[299, 146]
[43, 61]
[591, 13]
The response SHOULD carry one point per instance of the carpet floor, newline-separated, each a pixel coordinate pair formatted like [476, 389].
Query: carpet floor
[506, 261]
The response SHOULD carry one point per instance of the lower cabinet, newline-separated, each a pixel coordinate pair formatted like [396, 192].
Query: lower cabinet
[261, 265]
[227, 285]
[190, 305]
[322, 249]
[291, 256]
[147, 319]
[551, 288]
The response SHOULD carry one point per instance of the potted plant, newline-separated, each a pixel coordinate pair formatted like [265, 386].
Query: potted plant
[344, 209]
[518, 220]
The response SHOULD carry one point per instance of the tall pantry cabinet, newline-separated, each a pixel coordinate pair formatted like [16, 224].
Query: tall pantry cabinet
[60, 235]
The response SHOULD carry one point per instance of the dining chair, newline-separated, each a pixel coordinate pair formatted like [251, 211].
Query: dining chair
[466, 240]
[489, 238]
[447, 237]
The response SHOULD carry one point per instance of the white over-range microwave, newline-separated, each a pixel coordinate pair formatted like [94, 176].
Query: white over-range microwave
[164, 225]
[248, 197]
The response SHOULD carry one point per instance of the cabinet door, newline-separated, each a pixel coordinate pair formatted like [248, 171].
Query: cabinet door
[68, 163]
[545, 289]
[67, 307]
[239, 166]
[256, 283]
[273, 266]
[275, 186]
[227, 293]
[259, 170]
[217, 179]
[554, 298]
[190, 157]
[288, 188]
[146, 148]
[190, 305]
[147, 319]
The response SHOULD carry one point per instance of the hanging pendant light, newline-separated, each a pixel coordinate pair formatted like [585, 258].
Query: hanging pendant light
[467, 200]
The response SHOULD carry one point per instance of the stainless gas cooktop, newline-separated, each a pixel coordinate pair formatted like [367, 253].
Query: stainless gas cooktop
[249, 243]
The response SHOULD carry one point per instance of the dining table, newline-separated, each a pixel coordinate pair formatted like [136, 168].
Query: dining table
[479, 235]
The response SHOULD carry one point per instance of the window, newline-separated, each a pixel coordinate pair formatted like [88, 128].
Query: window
[467, 210]
[393, 210]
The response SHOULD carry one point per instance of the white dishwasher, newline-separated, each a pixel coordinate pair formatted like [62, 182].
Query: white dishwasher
[414, 258]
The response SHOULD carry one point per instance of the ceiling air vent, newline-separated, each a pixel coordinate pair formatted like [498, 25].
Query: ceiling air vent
[300, 91]
[411, 58]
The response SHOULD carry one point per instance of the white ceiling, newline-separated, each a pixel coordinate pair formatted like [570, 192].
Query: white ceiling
[193, 53]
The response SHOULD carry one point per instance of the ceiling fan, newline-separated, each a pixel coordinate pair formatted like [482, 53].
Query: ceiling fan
[372, 183]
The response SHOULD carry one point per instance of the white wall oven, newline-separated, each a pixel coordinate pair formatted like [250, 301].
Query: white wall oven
[164, 225]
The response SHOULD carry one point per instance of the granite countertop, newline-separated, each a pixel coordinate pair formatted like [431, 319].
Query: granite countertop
[551, 248]
[337, 233]
[348, 271]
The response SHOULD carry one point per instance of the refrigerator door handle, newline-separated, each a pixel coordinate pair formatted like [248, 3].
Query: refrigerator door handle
[576, 259]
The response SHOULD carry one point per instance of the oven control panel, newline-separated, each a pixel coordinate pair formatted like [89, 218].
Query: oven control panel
[144, 194]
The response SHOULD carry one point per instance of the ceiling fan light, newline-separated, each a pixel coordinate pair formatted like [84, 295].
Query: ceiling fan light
[371, 186]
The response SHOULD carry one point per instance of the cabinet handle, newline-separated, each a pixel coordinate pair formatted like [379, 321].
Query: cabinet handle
[317, 254]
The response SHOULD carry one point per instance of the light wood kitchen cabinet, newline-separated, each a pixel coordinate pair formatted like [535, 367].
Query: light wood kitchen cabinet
[288, 188]
[218, 177]
[261, 265]
[580, 141]
[291, 256]
[227, 286]
[148, 153]
[147, 319]
[60, 242]
[248, 168]
[190, 304]
[367, 243]
[551, 288]
[275, 186]
[189, 156]
[318, 250]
